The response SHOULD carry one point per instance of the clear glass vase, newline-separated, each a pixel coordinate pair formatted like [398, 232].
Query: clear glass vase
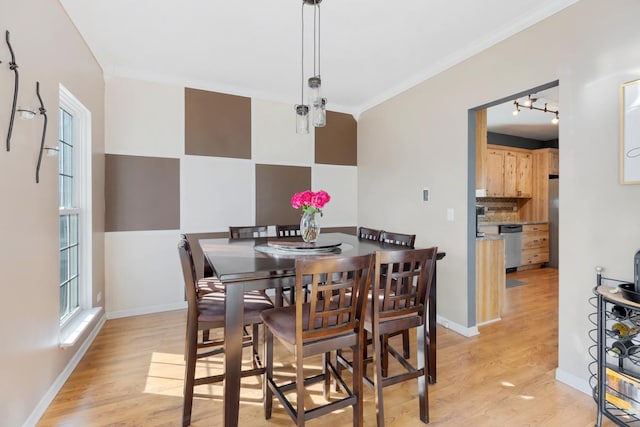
[309, 227]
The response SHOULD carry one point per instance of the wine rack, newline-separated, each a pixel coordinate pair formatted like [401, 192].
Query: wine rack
[615, 370]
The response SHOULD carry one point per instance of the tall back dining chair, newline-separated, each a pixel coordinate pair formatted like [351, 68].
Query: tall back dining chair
[288, 230]
[366, 233]
[408, 241]
[330, 320]
[398, 239]
[204, 313]
[248, 231]
[402, 282]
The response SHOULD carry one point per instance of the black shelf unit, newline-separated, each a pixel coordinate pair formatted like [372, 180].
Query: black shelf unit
[615, 370]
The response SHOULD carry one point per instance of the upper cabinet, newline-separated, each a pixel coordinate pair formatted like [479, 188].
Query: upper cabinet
[509, 172]
[554, 161]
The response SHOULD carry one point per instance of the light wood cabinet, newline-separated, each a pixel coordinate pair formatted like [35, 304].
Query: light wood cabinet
[545, 162]
[535, 244]
[554, 161]
[509, 172]
[490, 279]
[524, 170]
[495, 172]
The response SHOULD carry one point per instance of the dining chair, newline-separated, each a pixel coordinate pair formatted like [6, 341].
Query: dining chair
[365, 233]
[253, 231]
[206, 279]
[398, 239]
[405, 240]
[288, 230]
[248, 231]
[399, 302]
[204, 313]
[330, 320]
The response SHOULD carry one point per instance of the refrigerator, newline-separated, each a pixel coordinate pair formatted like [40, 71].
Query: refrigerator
[553, 222]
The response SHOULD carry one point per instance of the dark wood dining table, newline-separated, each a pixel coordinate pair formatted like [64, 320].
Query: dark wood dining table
[250, 264]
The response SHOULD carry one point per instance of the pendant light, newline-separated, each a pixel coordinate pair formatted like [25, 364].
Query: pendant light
[315, 111]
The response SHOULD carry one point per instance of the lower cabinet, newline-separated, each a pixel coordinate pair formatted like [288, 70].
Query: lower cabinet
[535, 243]
[490, 279]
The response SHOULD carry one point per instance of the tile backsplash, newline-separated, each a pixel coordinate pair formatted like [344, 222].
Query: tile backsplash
[499, 210]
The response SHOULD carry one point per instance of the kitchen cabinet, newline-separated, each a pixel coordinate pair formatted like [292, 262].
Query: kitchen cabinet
[554, 161]
[509, 172]
[490, 278]
[535, 244]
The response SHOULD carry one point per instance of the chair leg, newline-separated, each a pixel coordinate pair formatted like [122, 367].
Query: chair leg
[326, 388]
[423, 363]
[385, 355]
[254, 342]
[378, 351]
[189, 373]
[406, 351]
[267, 393]
[300, 390]
[358, 373]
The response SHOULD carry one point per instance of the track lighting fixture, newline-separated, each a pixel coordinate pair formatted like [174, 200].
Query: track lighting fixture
[530, 104]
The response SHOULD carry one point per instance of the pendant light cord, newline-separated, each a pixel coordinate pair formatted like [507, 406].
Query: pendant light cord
[314, 32]
[302, 57]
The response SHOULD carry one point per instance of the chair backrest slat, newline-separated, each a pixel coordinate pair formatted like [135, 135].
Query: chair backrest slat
[398, 239]
[366, 233]
[288, 230]
[247, 231]
[336, 289]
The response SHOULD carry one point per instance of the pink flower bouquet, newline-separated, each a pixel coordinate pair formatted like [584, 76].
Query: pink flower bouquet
[310, 202]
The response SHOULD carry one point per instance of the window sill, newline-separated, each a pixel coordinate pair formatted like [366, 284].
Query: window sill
[72, 331]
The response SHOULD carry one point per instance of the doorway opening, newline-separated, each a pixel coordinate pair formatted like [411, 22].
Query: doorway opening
[513, 174]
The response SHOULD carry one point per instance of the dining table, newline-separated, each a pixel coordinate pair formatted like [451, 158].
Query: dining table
[262, 263]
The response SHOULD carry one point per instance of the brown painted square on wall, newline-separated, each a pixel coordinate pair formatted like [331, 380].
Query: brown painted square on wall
[141, 193]
[275, 185]
[337, 142]
[217, 124]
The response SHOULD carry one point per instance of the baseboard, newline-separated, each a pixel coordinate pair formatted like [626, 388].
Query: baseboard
[457, 328]
[576, 382]
[146, 310]
[48, 397]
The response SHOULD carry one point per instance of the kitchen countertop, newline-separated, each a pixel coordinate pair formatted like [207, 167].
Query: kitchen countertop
[480, 224]
[488, 236]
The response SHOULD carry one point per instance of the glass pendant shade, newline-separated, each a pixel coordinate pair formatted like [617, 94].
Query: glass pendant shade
[315, 98]
[320, 113]
[302, 119]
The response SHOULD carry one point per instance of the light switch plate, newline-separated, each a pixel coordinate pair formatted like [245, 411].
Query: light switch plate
[450, 214]
[425, 194]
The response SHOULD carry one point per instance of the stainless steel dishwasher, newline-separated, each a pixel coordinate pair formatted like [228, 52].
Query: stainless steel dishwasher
[512, 234]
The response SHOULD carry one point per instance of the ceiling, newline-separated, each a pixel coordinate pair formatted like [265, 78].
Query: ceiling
[371, 49]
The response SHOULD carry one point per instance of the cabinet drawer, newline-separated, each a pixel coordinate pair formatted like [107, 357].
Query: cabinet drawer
[535, 228]
[534, 256]
[535, 240]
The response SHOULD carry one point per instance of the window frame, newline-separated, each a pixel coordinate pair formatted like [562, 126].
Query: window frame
[83, 197]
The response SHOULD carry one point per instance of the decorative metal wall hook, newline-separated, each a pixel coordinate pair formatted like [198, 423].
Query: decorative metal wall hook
[13, 66]
[43, 112]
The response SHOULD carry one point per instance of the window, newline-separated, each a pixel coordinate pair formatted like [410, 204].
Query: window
[74, 181]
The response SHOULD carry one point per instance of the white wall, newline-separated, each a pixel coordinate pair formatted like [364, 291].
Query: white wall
[420, 139]
[48, 49]
[147, 119]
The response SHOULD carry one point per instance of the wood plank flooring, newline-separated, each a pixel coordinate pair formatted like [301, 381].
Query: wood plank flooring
[132, 376]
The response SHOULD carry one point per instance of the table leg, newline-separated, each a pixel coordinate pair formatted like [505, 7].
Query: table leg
[233, 321]
[432, 328]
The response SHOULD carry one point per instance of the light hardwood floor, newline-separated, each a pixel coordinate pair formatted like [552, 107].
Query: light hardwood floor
[132, 376]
